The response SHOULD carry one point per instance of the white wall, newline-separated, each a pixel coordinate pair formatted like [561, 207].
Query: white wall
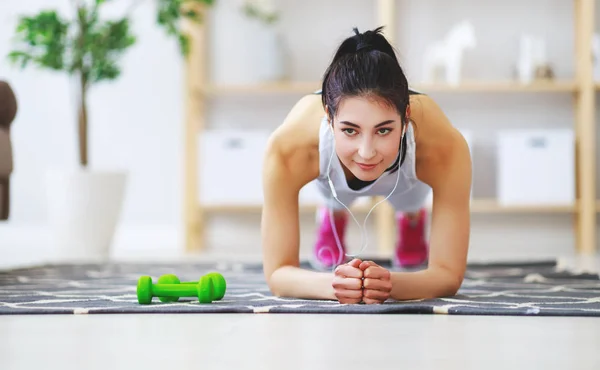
[137, 121]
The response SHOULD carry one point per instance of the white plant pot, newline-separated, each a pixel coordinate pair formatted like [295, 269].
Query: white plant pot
[83, 210]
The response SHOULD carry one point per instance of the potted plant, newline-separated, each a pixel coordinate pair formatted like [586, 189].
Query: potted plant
[84, 206]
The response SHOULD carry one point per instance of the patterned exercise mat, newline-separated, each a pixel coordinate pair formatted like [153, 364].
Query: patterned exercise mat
[488, 289]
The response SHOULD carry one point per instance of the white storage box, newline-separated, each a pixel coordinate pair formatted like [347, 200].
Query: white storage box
[536, 167]
[230, 166]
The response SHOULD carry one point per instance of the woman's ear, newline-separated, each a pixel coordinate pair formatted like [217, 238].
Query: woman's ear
[329, 121]
[408, 113]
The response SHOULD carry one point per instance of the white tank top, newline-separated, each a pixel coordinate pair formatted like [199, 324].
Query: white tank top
[380, 187]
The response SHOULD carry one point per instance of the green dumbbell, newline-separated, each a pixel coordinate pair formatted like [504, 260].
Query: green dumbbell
[219, 283]
[146, 290]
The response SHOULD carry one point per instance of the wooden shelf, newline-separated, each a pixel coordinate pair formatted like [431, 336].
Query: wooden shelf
[477, 206]
[283, 87]
[501, 86]
[492, 206]
[306, 87]
[255, 208]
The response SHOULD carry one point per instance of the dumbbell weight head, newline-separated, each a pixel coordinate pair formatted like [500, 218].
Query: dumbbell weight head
[220, 285]
[168, 279]
[206, 290]
[144, 290]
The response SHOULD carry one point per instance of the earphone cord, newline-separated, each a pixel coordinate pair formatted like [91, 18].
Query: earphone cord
[363, 229]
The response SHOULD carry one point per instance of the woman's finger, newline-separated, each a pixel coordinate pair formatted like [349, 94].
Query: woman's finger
[375, 295]
[350, 300]
[366, 264]
[350, 294]
[376, 272]
[347, 283]
[377, 284]
[355, 263]
[348, 271]
[371, 301]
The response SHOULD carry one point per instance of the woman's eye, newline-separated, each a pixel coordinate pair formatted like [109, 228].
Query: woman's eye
[384, 131]
[349, 131]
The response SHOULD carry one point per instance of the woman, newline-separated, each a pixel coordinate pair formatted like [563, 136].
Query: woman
[367, 134]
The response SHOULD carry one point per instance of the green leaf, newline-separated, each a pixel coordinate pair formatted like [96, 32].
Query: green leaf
[172, 12]
[41, 39]
[108, 43]
[184, 44]
[206, 2]
[193, 15]
[252, 11]
[17, 57]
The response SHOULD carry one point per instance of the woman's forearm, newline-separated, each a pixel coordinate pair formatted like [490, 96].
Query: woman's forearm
[424, 284]
[291, 281]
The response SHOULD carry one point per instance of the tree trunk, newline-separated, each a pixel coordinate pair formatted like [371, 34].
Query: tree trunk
[83, 123]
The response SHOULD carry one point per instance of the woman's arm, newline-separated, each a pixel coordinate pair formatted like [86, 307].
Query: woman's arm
[449, 173]
[287, 167]
[281, 235]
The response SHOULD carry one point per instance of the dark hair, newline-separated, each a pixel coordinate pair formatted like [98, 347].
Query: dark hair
[365, 65]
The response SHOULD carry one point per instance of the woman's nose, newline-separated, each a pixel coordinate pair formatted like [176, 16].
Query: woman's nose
[366, 150]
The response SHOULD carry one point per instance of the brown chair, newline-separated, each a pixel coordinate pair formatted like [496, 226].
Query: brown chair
[8, 111]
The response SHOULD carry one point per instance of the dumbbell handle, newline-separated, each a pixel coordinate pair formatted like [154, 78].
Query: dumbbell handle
[174, 290]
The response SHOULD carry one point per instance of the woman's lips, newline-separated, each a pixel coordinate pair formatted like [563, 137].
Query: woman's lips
[366, 167]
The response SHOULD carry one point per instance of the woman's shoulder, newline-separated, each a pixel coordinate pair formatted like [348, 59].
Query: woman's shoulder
[432, 125]
[437, 139]
[300, 128]
[296, 140]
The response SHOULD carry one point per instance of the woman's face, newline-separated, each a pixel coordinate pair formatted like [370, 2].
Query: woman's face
[367, 136]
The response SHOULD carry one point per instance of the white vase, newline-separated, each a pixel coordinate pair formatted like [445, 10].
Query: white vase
[272, 60]
[84, 208]
[245, 50]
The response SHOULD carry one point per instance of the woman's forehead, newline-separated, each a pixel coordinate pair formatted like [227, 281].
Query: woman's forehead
[365, 111]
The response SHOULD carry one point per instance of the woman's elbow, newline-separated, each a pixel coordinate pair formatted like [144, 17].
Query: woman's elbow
[449, 282]
[453, 283]
[273, 283]
[273, 288]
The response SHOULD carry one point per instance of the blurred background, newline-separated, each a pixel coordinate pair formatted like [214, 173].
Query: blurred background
[188, 138]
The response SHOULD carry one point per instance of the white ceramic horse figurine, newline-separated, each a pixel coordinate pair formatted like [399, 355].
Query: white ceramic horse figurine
[448, 53]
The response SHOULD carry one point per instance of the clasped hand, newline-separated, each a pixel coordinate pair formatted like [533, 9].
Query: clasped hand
[361, 281]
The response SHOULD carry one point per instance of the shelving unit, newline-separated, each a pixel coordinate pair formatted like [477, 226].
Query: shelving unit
[477, 206]
[465, 87]
[582, 87]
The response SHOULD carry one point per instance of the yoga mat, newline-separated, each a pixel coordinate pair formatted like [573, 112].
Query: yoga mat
[533, 288]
